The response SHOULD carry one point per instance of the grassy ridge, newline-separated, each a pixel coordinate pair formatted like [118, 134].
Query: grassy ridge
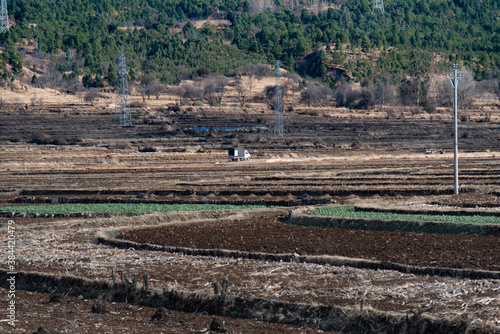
[123, 208]
[349, 212]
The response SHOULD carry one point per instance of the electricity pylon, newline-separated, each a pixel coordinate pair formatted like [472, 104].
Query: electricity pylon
[4, 17]
[123, 114]
[378, 4]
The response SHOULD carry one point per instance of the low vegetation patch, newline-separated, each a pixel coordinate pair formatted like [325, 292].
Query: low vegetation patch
[349, 212]
[123, 208]
[45, 139]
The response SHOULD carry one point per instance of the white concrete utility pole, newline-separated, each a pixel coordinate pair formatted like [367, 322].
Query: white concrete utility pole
[278, 108]
[455, 79]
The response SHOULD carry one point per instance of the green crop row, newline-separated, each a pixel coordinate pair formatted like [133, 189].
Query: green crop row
[349, 212]
[123, 208]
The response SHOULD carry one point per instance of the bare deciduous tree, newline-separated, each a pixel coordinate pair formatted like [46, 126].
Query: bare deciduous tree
[497, 87]
[411, 91]
[192, 91]
[51, 78]
[490, 86]
[91, 96]
[444, 93]
[73, 86]
[346, 18]
[177, 91]
[242, 91]
[347, 96]
[255, 7]
[250, 70]
[36, 102]
[383, 93]
[214, 89]
[270, 94]
[293, 77]
[342, 94]
[315, 94]
[146, 81]
[155, 88]
[258, 72]
[466, 90]
[261, 71]
[183, 72]
[292, 5]
[142, 90]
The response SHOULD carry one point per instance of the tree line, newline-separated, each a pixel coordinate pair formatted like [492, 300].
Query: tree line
[422, 91]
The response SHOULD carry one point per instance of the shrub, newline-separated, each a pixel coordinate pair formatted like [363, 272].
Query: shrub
[45, 139]
[357, 144]
[429, 106]
[41, 139]
[15, 139]
[175, 108]
[391, 113]
[59, 140]
[147, 149]
[346, 96]
[136, 104]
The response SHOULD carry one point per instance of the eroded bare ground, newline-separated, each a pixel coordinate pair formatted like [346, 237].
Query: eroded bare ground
[64, 248]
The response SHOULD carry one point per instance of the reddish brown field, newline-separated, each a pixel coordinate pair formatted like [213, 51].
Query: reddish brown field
[271, 236]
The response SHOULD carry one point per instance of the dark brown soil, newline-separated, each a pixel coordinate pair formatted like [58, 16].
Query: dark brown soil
[272, 236]
[27, 221]
[60, 248]
[66, 314]
[468, 200]
[193, 167]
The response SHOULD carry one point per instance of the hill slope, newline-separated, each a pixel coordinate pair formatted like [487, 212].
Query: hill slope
[85, 37]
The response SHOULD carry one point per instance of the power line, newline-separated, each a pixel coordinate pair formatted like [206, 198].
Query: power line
[123, 114]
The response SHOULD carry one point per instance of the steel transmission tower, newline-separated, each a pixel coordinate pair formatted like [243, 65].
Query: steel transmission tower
[278, 108]
[4, 17]
[455, 79]
[378, 4]
[122, 95]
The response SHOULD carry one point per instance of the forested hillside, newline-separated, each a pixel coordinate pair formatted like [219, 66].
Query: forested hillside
[329, 41]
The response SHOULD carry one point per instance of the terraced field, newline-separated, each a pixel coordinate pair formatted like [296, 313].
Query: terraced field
[327, 156]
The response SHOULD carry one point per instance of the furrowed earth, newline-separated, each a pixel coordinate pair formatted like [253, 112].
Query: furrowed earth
[327, 156]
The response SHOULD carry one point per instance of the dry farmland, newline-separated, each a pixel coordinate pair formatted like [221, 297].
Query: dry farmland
[110, 274]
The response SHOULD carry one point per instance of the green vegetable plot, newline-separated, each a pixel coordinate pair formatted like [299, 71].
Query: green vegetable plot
[349, 212]
[123, 208]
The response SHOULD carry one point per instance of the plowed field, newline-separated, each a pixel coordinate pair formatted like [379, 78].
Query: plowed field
[325, 155]
[271, 236]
